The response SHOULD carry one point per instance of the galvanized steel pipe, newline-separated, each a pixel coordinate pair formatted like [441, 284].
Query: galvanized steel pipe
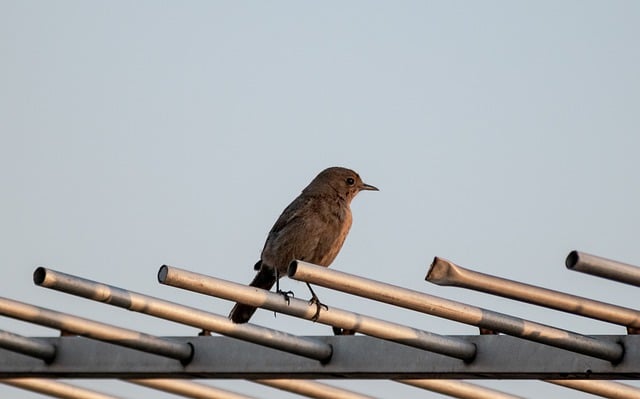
[446, 273]
[602, 267]
[27, 346]
[453, 310]
[606, 389]
[186, 388]
[55, 388]
[95, 330]
[332, 316]
[130, 300]
[459, 389]
[312, 389]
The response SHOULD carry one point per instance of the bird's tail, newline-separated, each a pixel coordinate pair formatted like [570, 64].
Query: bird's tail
[265, 279]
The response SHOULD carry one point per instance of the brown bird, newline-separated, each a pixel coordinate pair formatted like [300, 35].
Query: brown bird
[312, 228]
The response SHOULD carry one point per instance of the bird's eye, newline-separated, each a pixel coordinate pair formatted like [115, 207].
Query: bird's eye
[350, 181]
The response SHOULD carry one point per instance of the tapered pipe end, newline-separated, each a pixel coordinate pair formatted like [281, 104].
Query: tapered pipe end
[442, 272]
[39, 275]
[572, 259]
[293, 267]
[162, 274]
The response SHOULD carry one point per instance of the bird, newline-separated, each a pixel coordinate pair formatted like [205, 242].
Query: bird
[312, 228]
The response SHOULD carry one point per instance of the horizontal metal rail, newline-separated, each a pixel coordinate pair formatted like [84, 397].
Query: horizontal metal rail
[606, 389]
[446, 273]
[453, 310]
[332, 316]
[95, 330]
[130, 300]
[602, 267]
[312, 389]
[361, 357]
[188, 389]
[27, 346]
[55, 388]
[459, 389]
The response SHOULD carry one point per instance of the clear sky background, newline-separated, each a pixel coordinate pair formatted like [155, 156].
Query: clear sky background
[134, 134]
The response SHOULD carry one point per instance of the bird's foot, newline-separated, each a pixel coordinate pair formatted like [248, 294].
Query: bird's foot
[287, 295]
[319, 305]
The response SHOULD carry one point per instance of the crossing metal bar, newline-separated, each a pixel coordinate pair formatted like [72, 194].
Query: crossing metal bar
[130, 300]
[332, 316]
[360, 357]
[606, 389]
[459, 389]
[55, 388]
[453, 310]
[27, 346]
[312, 389]
[188, 389]
[603, 267]
[446, 273]
[96, 330]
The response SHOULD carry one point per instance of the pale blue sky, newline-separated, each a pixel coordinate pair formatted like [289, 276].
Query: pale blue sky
[502, 135]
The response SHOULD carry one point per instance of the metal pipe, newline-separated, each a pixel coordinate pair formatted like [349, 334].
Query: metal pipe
[606, 389]
[188, 388]
[457, 311]
[446, 273]
[95, 330]
[312, 389]
[311, 348]
[602, 267]
[332, 316]
[27, 346]
[459, 389]
[55, 388]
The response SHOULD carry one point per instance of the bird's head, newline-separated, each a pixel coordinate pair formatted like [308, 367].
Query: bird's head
[345, 182]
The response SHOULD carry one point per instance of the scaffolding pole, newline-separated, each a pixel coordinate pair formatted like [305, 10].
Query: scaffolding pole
[96, 330]
[459, 389]
[603, 267]
[55, 388]
[312, 389]
[332, 316]
[453, 310]
[311, 348]
[445, 273]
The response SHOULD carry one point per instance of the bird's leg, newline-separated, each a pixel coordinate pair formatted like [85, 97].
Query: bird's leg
[286, 294]
[319, 305]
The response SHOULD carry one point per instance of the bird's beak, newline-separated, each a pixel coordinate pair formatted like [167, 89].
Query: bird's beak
[368, 187]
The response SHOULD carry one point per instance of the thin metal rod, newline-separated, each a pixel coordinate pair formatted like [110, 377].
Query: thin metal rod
[453, 310]
[446, 273]
[459, 389]
[55, 388]
[27, 346]
[332, 316]
[188, 388]
[95, 330]
[130, 300]
[312, 389]
[606, 389]
[602, 267]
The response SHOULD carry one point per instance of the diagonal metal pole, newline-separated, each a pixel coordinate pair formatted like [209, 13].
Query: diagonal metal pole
[96, 330]
[187, 389]
[312, 389]
[459, 389]
[603, 267]
[130, 300]
[606, 389]
[55, 388]
[446, 273]
[28, 346]
[332, 316]
[457, 311]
